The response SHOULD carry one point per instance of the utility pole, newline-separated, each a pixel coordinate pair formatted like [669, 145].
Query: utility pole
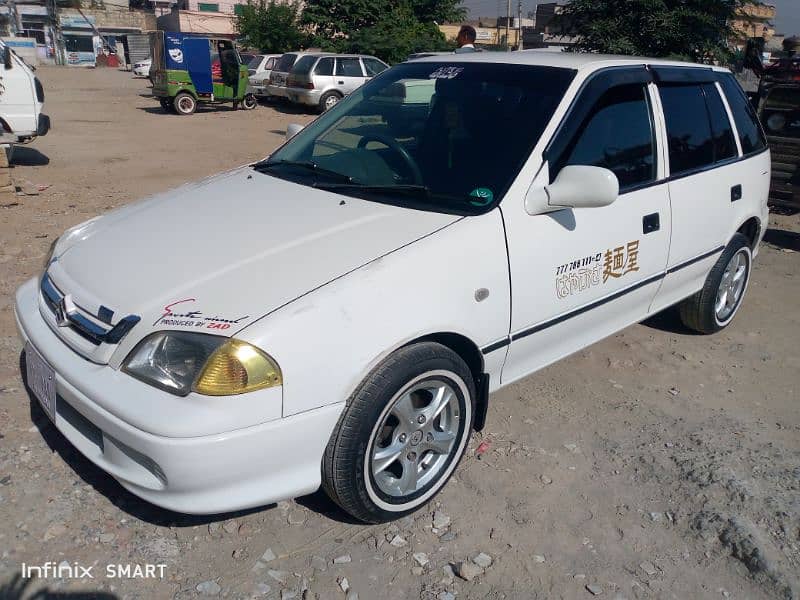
[508, 21]
[519, 25]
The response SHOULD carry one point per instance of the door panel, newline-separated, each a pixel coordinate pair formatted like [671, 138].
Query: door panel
[197, 54]
[349, 74]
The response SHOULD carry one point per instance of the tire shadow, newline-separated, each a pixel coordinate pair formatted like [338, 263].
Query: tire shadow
[780, 238]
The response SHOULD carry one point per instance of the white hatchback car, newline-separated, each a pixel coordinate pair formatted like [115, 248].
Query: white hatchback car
[339, 312]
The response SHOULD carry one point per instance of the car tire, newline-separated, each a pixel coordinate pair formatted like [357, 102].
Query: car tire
[402, 434]
[249, 102]
[329, 100]
[713, 308]
[184, 104]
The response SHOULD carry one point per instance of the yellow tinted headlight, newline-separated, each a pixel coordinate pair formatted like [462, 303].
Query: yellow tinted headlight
[237, 367]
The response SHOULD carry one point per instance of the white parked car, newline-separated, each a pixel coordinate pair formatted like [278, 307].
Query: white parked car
[142, 68]
[339, 313]
[259, 70]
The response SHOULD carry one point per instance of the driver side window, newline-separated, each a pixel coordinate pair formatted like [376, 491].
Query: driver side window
[617, 134]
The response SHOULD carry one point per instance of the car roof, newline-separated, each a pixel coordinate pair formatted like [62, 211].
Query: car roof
[566, 60]
[337, 55]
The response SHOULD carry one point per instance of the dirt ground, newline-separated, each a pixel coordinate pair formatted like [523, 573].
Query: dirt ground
[656, 464]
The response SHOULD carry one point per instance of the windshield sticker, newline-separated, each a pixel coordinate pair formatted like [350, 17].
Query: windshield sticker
[481, 196]
[446, 73]
[581, 274]
[194, 318]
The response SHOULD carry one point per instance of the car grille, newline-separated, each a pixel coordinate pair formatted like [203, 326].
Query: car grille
[97, 329]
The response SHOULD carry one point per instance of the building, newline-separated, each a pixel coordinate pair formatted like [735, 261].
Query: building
[545, 13]
[194, 16]
[754, 21]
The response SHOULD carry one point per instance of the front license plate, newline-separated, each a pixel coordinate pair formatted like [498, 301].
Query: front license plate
[41, 380]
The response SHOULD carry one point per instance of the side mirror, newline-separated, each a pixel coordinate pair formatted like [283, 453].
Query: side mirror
[8, 60]
[576, 186]
[292, 130]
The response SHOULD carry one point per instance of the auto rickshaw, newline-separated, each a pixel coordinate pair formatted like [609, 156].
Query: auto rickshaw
[188, 70]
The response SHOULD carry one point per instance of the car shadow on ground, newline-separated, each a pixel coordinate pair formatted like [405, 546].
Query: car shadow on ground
[288, 108]
[28, 157]
[669, 321]
[106, 485]
[789, 240]
[16, 588]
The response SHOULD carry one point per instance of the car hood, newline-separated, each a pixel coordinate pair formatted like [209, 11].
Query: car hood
[221, 253]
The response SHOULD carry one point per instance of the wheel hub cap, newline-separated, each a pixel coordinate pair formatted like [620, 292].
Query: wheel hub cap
[731, 286]
[419, 432]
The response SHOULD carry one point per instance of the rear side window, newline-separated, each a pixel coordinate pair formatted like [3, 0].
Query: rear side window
[373, 66]
[285, 63]
[324, 67]
[303, 66]
[691, 146]
[751, 135]
[348, 67]
[618, 135]
[721, 130]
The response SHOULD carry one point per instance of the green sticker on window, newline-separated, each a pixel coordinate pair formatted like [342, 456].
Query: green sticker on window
[481, 196]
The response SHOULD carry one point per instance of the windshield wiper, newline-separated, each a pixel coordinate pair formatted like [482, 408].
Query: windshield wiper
[412, 189]
[263, 166]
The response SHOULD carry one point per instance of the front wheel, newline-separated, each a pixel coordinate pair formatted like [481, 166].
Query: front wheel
[184, 104]
[402, 434]
[713, 307]
[249, 102]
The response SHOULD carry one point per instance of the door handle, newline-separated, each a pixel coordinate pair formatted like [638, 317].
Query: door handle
[736, 193]
[340, 82]
[651, 223]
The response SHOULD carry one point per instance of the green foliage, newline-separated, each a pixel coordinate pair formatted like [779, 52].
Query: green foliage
[696, 30]
[388, 29]
[272, 27]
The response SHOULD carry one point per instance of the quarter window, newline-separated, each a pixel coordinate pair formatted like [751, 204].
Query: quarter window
[691, 145]
[724, 142]
[373, 66]
[751, 135]
[348, 67]
[617, 135]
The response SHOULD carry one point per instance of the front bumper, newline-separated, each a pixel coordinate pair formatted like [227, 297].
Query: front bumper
[205, 474]
[303, 96]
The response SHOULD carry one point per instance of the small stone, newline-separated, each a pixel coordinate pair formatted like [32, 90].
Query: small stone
[288, 594]
[468, 570]
[213, 528]
[268, 556]
[538, 558]
[231, 527]
[55, 530]
[417, 571]
[440, 520]
[449, 574]
[406, 522]
[279, 576]
[262, 589]
[318, 563]
[656, 517]
[208, 588]
[579, 576]
[674, 391]
[571, 447]
[448, 537]
[483, 560]
[446, 596]
[545, 479]
[421, 558]
[297, 517]
[398, 542]
[344, 585]
[352, 596]
[309, 595]
[648, 568]
[107, 538]
[594, 590]
[345, 558]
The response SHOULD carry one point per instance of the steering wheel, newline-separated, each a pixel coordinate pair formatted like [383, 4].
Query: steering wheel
[398, 148]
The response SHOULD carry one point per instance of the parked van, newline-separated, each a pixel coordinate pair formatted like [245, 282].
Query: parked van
[342, 320]
[21, 101]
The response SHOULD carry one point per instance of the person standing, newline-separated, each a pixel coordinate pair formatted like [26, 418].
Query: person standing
[466, 39]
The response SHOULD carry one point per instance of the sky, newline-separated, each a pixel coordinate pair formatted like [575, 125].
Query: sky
[787, 20]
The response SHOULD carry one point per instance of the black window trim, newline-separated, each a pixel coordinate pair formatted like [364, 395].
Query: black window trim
[721, 75]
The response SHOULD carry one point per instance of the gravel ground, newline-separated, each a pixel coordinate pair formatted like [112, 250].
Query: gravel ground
[655, 464]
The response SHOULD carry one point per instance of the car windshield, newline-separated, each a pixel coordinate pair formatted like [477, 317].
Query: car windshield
[254, 62]
[447, 137]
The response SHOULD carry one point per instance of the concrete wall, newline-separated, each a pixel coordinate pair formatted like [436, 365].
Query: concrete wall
[116, 18]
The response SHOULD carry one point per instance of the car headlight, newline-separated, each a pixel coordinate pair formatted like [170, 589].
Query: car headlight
[180, 362]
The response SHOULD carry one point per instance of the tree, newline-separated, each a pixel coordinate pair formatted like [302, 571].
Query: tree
[270, 26]
[697, 30]
[386, 28]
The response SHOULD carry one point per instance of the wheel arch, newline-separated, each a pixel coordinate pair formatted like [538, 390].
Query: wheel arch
[751, 229]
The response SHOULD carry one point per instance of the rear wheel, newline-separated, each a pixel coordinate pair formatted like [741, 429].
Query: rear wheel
[713, 307]
[184, 104]
[249, 102]
[402, 434]
[329, 100]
